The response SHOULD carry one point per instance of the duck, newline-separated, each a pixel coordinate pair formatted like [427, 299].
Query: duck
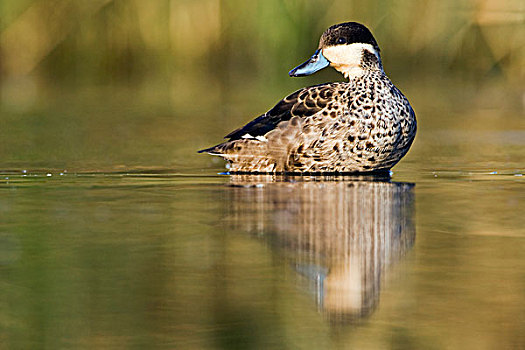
[362, 125]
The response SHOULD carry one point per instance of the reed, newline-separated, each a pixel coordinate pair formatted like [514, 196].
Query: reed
[99, 41]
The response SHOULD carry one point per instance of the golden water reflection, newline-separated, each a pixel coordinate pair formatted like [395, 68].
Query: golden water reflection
[342, 234]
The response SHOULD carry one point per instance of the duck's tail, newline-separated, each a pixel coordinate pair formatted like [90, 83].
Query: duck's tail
[214, 150]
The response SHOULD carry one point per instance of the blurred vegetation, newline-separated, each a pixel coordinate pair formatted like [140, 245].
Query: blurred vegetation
[126, 41]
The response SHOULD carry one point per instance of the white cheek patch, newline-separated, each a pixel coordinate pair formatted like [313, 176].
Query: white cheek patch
[347, 55]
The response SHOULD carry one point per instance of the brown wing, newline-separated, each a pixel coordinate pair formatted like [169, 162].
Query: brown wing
[302, 103]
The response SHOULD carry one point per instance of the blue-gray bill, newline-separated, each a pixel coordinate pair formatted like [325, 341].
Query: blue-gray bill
[312, 65]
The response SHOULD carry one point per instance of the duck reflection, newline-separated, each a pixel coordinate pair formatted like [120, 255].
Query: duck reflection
[341, 233]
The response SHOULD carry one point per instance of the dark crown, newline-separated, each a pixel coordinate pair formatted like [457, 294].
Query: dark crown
[347, 33]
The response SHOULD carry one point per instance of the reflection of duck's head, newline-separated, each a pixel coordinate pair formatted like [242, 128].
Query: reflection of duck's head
[343, 289]
[340, 235]
[348, 47]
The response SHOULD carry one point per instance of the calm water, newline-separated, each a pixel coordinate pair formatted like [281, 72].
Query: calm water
[115, 234]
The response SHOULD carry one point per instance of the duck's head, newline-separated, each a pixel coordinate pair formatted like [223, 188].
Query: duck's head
[348, 47]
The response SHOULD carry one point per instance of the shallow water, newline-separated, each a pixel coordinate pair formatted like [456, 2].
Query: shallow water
[115, 234]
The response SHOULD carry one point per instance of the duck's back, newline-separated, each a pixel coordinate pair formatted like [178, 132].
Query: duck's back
[362, 125]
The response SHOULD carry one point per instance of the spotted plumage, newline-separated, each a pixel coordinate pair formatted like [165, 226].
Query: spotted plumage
[363, 125]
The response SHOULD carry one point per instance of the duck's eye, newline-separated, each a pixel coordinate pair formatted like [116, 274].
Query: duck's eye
[341, 40]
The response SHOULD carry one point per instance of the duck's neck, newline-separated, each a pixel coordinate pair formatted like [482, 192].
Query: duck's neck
[354, 60]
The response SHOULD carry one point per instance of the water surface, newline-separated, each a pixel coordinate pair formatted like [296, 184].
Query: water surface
[115, 234]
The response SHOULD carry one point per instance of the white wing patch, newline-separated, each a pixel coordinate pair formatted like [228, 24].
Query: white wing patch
[258, 138]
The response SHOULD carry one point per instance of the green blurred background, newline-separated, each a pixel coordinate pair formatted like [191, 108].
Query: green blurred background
[115, 233]
[103, 85]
